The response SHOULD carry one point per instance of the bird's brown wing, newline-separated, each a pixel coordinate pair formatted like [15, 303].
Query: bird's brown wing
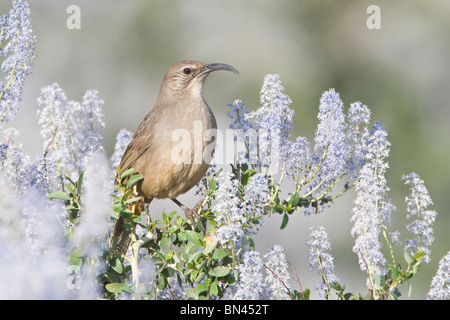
[140, 143]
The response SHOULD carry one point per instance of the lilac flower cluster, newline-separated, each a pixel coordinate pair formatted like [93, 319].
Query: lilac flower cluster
[320, 260]
[254, 284]
[243, 133]
[233, 214]
[238, 116]
[33, 233]
[372, 208]
[358, 117]
[231, 220]
[251, 284]
[338, 144]
[440, 285]
[278, 275]
[19, 52]
[123, 138]
[296, 157]
[71, 137]
[32, 259]
[273, 120]
[330, 139]
[70, 130]
[257, 195]
[274, 113]
[416, 206]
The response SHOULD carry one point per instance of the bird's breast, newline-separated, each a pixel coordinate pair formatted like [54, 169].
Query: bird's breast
[186, 141]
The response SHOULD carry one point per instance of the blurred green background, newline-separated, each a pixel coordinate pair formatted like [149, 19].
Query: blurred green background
[402, 72]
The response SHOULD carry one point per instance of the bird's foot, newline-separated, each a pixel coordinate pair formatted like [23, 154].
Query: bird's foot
[191, 213]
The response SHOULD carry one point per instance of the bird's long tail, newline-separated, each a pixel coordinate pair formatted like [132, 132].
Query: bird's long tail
[121, 237]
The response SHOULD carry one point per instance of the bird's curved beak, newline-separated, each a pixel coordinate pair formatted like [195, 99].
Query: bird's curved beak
[214, 67]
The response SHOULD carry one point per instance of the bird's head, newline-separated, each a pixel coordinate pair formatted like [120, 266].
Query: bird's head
[188, 76]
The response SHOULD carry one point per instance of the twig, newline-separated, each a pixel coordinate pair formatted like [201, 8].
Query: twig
[297, 279]
[45, 155]
[282, 282]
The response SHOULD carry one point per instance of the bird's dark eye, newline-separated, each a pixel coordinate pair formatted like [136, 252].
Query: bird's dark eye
[187, 70]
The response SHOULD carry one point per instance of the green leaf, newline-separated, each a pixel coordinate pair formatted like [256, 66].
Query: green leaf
[285, 221]
[167, 272]
[280, 208]
[395, 271]
[161, 283]
[229, 279]
[199, 278]
[133, 180]
[220, 271]
[307, 292]
[294, 200]
[112, 276]
[350, 296]
[297, 295]
[59, 195]
[215, 289]
[194, 238]
[195, 257]
[190, 247]
[118, 288]
[170, 256]
[251, 243]
[212, 183]
[191, 294]
[408, 257]
[211, 243]
[394, 294]
[172, 214]
[136, 219]
[201, 287]
[125, 213]
[126, 195]
[73, 216]
[336, 286]
[165, 243]
[173, 237]
[416, 267]
[246, 176]
[132, 200]
[182, 236]
[117, 265]
[127, 173]
[219, 254]
[80, 181]
[379, 280]
[419, 255]
[128, 225]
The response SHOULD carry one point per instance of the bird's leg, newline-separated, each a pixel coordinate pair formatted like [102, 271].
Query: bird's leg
[149, 219]
[190, 213]
[156, 231]
[197, 208]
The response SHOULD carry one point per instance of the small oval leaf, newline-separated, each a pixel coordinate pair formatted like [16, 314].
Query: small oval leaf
[220, 271]
[285, 221]
[194, 238]
[118, 288]
[133, 180]
[59, 195]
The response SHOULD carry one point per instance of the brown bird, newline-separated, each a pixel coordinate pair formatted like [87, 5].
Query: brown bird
[172, 145]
